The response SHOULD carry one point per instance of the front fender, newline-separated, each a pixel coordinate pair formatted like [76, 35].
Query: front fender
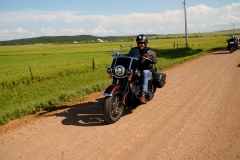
[111, 89]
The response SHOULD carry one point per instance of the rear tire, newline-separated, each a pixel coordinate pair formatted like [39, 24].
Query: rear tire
[151, 91]
[150, 96]
[112, 108]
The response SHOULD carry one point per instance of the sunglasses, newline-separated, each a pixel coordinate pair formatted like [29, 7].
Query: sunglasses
[141, 43]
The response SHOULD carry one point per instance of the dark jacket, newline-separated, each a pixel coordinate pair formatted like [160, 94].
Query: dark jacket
[143, 63]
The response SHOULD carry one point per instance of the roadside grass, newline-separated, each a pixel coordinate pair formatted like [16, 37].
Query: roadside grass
[45, 77]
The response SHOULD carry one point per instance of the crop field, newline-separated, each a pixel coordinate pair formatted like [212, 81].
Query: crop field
[47, 76]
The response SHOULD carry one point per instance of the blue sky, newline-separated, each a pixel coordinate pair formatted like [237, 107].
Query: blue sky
[25, 19]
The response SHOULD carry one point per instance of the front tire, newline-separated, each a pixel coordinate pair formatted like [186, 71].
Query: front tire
[112, 108]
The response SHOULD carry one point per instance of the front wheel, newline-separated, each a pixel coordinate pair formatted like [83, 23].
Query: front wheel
[112, 108]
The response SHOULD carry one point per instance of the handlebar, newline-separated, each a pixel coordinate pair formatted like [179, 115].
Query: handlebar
[147, 58]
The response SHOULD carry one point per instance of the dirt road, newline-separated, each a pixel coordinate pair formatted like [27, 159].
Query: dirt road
[195, 116]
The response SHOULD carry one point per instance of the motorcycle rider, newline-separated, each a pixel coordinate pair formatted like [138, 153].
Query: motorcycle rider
[147, 59]
[233, 39]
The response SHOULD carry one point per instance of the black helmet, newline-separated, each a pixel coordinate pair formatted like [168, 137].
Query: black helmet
[141, 38]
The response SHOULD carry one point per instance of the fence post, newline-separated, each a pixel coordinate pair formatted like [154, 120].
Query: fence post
[93, 64]
[31, 72]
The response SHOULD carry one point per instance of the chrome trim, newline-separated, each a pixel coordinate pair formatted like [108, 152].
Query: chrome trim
[129, 72]
[119, 70]
[107, 95]
[109, 70]
[121, 76]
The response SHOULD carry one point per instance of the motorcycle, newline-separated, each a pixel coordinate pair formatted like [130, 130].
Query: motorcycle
[124, 92]
[232, 45]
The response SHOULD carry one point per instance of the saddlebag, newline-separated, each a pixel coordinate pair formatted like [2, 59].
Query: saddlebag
[159, 79]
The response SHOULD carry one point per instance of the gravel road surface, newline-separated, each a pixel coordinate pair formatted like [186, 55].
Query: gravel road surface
[195, 116]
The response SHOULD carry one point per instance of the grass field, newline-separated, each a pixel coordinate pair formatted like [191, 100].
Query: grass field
[47, 76]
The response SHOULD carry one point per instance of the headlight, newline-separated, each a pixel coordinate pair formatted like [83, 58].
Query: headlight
[109, 70]
[129, 72]
[119, 70]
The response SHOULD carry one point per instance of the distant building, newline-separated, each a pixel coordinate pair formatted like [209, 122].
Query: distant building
[100, 41]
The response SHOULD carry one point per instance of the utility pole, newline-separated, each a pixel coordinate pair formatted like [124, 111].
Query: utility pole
[186, 30]
[233, 28]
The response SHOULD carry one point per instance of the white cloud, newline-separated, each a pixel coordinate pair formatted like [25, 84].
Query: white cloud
[100, 30]
[21, 30]
[73, 31]
[48, 31]
[6, 31]
[18, 32]
[200, 18]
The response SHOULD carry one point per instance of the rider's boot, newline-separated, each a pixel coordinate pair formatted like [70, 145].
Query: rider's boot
[143, 98]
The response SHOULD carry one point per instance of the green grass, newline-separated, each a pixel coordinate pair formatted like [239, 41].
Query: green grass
[45, 77]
